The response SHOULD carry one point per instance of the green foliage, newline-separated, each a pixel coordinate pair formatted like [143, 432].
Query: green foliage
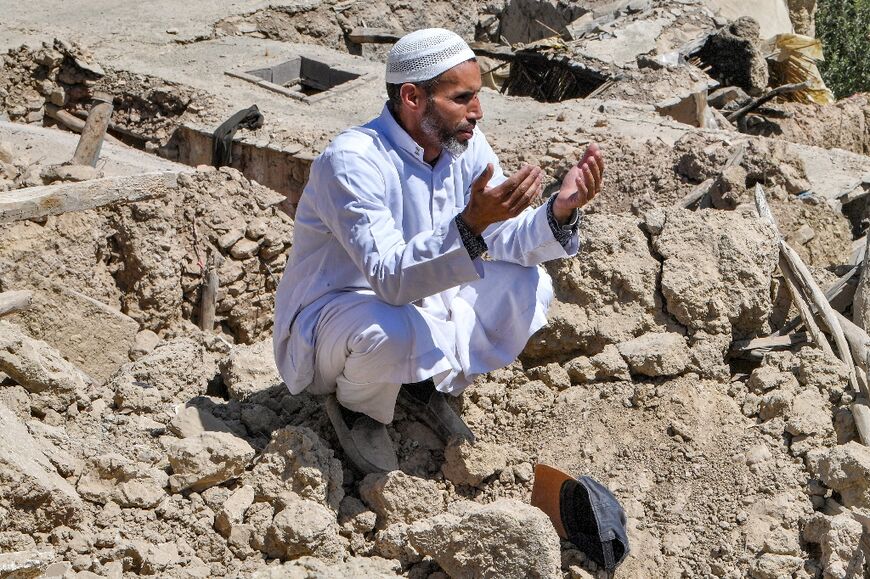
[844, 29]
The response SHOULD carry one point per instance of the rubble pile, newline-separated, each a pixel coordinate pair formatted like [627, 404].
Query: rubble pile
[705, 357]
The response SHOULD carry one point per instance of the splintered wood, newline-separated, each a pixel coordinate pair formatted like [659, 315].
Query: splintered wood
[811, 302]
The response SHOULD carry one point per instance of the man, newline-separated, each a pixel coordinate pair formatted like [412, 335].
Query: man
[385, 296]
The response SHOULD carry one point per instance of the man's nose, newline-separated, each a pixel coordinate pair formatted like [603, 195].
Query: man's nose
[475, 110]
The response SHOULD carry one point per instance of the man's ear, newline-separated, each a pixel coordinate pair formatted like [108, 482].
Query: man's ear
[412, 97]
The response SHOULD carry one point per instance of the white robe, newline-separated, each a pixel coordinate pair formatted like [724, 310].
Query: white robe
[375, 219]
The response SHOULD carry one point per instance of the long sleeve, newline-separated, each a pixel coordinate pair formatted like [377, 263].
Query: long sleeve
[356, 213]
[528, 238]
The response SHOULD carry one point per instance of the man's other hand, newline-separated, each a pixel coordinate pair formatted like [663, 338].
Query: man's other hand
[580, 185]
[488, 205]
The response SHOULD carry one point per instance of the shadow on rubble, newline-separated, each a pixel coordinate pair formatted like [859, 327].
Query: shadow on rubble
[257, 416]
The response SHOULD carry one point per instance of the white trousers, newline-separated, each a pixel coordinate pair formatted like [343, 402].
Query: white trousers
[365, 349]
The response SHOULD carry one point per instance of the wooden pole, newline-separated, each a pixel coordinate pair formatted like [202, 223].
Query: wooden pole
[208, 299]
[15, 301]
[88, 149]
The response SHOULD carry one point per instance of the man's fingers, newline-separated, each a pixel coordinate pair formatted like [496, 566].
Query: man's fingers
[481, 181]
[591, 185]
[525, 187]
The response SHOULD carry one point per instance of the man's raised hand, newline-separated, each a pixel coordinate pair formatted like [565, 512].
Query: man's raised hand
[580, 185]
[488, 205]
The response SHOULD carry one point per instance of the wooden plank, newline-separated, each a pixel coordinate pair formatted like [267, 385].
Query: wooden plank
[37, 202]
[363, 35]
[14, 301]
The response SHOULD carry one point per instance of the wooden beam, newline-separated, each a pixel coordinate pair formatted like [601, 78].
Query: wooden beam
[14, 301]
[757, 102]
[37, 202]
[769, 342]
[208, 298]
[71, 121]
[363, 35]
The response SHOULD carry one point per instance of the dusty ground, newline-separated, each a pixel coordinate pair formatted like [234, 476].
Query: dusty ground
[135, 444]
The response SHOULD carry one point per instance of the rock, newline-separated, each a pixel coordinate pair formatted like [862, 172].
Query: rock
[250, 369]
[400, 498]
[304, 528]
[553, 375]
[846, 469]
[171, 370]
[144, 344]
[656, 354]
[810, 414]
[580, 369]
[155, 558]
[716, 271]
[113, 477]
[206, 460]
[824, 372]
[771, 566]
[37, 366]
[392, 543]
[228, 239]
[244, 248]
[735, 53]
[839, 537]
[297, 460]
[233, 511]
[257, 228]
[471, 464]
[775, 403]
[193, 420]
[91, 334]
[25, 564]
[506, 538]
[71, 173]
[610, 364]
[33, 496]
[766, 378]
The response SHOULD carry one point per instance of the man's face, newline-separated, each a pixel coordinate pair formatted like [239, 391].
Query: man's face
[453, 108]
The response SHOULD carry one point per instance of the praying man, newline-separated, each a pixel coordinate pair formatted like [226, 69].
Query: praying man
[386, 297]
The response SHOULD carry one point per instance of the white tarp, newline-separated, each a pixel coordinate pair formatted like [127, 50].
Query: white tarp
[772, 15]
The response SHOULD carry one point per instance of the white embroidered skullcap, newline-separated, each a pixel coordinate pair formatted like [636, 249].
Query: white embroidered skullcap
[424, 54]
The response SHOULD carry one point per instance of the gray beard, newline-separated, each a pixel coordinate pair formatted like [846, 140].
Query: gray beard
[433, 127]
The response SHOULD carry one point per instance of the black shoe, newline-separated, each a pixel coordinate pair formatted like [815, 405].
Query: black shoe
[365, 441]
[430, 407]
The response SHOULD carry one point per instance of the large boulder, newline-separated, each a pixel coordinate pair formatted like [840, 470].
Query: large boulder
[202, 461]
[471, 464]
[506, 538]
[297, 460]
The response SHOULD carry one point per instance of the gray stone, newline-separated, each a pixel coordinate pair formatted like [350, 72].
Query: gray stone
[298, 461]
[25, 564]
